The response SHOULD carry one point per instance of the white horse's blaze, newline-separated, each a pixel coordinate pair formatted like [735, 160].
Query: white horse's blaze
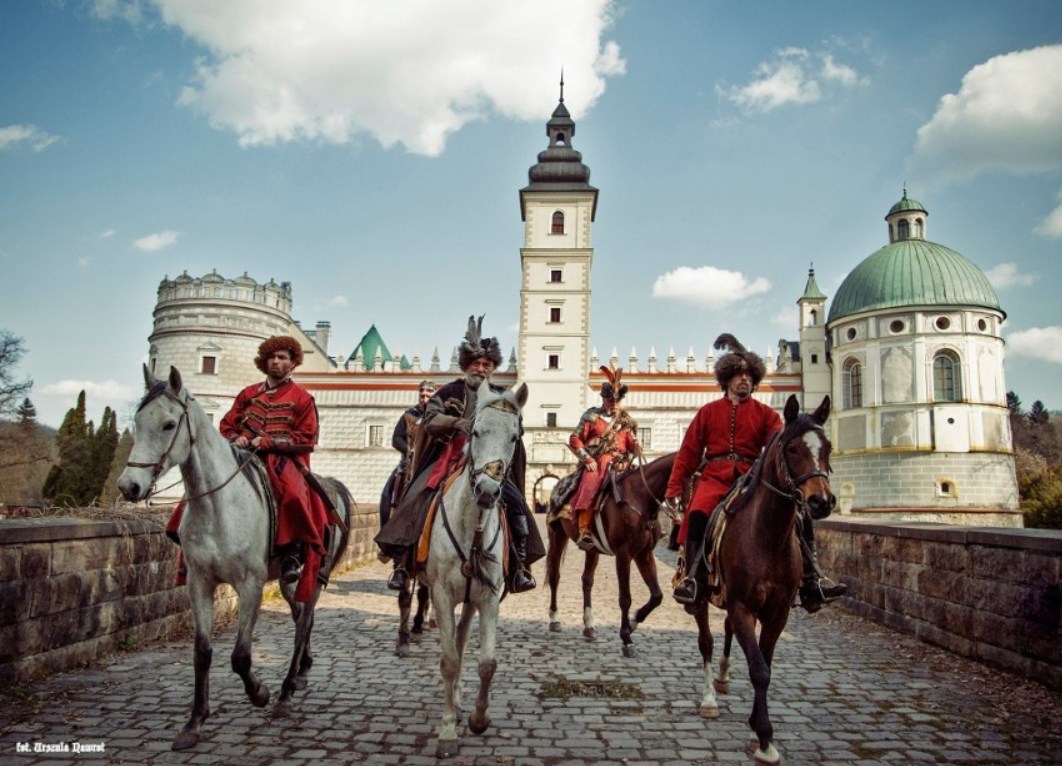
[813, 441]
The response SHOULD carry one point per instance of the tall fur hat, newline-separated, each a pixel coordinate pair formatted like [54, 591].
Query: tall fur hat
[737, 359]
[278, 343]
[475, 346]
[611, 387]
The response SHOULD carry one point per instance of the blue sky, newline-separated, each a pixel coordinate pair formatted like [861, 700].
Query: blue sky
[371, 154]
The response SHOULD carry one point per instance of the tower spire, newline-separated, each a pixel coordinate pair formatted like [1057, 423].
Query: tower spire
[562, 86]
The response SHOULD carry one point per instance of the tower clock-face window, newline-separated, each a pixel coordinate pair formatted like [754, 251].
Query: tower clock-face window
[558, 223]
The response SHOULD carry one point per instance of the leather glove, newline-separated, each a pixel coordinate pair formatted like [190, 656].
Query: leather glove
[464, 425]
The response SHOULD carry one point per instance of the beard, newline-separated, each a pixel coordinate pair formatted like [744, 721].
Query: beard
[474, 381]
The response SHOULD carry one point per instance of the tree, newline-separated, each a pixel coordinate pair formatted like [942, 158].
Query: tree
[1038, 414]
[109, 494]
[27, 413]
[68, 482]
[11, 390]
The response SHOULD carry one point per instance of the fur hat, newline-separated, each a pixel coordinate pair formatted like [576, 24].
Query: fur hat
[474, 346]
[278, 343]
[610, 386]
[737, 359]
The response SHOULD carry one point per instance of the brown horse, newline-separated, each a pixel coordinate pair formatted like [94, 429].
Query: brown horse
[629, 530]
[759, 560]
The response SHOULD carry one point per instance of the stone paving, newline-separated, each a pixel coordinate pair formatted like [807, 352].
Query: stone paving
[844, 692]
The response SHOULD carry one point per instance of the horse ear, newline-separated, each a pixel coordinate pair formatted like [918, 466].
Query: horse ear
[175, 379]
[792, 408]
[823, 411]
[149, 379]
[521, 395]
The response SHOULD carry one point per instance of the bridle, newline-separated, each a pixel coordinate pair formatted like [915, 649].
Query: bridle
[158, 466]
[790, 489]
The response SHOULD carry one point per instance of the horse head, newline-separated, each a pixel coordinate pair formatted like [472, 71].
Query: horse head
[495, 431]
[163, 434]
[804, 461]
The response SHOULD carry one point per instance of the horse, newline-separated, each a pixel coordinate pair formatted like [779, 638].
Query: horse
[225, 535]
[627, 529]
[759, 560]
[465, 556]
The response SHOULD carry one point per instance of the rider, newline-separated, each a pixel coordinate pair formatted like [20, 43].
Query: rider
[446, 426]
[605, 439]
[278, 419]
[401, 440]
[722, 442]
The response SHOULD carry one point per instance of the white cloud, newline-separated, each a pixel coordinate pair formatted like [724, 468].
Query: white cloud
[126, 10]
[13, 136]
[103, 393]
[707, 286]
[1043, 343]
[338, 300]
[154, 242]
[792, 76]
[1006, 116]
[1006, 275]
[1052, 225]
[84, 261]
[407, 72]
[107, 234]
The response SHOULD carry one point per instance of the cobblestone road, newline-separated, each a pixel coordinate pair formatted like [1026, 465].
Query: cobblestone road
[844, 692]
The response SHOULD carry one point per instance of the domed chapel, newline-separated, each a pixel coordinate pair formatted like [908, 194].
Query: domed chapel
[909, 350]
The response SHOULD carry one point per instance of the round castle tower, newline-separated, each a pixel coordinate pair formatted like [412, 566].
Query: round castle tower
[920, 417]
[210, 328]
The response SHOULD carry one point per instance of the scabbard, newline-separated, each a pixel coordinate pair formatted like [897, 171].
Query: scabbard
[314, 483]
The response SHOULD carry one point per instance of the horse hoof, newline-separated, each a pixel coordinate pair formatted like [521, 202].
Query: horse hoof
[402, 650]
[590, 634]
[629, 650]
[768, 757]
[708, 712]
[477, 724]
[282, 709]
[185, 740]
[432, 624]
[261, 697]
[446, 748]
[721, 687]
[554, 627]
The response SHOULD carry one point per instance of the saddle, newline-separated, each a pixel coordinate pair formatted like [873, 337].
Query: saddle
[564, 489]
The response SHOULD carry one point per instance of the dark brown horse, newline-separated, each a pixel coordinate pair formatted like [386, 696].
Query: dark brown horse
[628, 530]
[759, 560]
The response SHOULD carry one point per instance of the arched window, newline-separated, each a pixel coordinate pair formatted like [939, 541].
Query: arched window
[558, 223]
[947, 377]
[903, 229]
[852, 383]
[920, 228]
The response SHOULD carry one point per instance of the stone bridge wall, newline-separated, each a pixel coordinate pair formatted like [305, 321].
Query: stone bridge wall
[986, 593]
[72, 589]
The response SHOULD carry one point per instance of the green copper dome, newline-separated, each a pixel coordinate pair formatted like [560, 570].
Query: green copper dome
[913, 272]
[906, 205]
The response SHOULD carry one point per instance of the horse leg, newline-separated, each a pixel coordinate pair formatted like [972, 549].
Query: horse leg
[646, 563]
[202, 597]
[422, 610]
[449, 667]
[303, 629]
[708, 707]
[405, 600]
[744, 625]
[592, 557]
[623, 577]
[250, 595]
[558, 541]
[722, 679]
[488, 663]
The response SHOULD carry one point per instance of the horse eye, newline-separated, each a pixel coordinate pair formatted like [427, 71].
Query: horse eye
[169, 425]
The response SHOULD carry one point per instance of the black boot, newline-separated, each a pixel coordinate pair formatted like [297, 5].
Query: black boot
[397, 580]
[813, 594]
[688, 591]
[291, 565]
[522, 579]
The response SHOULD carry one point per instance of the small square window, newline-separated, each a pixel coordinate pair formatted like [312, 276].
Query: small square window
[554, 362]
[645, 438]
[551, 420]
[209, 365]
[554, 315]
[555, 276]
[375, 436]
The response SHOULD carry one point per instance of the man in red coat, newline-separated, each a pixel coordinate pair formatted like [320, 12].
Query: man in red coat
[603, 440]
[278, 419]
[724, 440]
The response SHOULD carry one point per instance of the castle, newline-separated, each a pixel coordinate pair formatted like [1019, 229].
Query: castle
[910, 353]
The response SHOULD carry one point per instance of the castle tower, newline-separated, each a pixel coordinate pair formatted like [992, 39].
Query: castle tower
[814, 367]
[921, 424]
[557, 207]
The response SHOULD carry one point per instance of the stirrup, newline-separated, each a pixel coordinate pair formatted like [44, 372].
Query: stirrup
[397, 580]
[586, 541]
[686, 591]
[290, 570]
[523, 581]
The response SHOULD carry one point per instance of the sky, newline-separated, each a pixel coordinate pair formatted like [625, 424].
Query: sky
[372, 154]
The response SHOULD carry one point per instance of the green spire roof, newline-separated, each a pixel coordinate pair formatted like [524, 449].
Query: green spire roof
[811, 289]
[906, 205]
[370, 343]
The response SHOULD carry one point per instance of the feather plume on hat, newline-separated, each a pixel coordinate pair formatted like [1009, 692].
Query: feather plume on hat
[475, 346]
[611, 387]
[737, 359]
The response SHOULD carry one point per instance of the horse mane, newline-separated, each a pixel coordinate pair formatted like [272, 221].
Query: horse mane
[153, 393]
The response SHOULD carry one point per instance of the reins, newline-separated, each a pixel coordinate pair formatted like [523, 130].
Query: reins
[792, 491]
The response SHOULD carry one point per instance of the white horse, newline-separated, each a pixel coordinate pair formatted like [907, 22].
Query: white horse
[225, 534]
[465, 556]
